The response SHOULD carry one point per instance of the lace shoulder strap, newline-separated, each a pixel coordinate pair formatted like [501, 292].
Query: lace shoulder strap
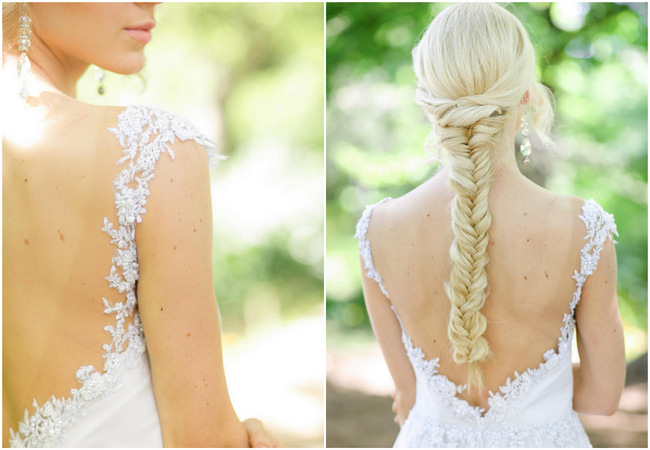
[364, 245]
[600, 226]
[145, 133]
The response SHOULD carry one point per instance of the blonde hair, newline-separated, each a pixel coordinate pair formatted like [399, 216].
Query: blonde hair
[474, 64]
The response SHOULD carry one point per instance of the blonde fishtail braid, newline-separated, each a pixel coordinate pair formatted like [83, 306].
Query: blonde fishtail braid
[468, 131]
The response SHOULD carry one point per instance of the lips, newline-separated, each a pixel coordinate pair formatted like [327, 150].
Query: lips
[142, 32]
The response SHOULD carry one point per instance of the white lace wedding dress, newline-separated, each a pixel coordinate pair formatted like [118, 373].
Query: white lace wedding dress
[534, 409]
[116, 407]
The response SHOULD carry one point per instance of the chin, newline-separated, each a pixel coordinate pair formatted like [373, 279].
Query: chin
[127, 65]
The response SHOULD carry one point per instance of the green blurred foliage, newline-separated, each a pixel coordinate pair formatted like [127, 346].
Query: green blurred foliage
[592, 55]
[250, 76]
[259, 62]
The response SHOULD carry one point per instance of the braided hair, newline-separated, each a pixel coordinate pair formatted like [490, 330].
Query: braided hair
[474, 64]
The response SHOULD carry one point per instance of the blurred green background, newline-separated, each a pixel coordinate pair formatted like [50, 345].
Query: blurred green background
[251, 76]
[594, 58]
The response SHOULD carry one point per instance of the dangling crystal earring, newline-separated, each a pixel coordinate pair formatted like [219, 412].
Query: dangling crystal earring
[100, 74]
[24, 65]
[525, 147]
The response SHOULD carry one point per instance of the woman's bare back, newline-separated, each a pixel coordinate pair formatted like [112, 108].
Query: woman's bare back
[57, 190]
[534, 248]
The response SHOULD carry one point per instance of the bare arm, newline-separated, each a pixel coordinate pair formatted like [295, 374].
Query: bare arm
[178, 306]
[389, 334]
[600, 376]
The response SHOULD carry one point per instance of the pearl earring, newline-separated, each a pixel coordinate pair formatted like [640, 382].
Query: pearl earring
[525, 147]
[24, 65]
[100, 74]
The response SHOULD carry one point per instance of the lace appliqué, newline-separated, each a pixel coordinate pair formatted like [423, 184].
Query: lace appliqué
[364, 245]
[600, 226]
[513, 390]
[565, 432]
[145, 133]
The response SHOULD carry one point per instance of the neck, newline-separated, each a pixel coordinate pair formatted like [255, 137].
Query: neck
[504, 159]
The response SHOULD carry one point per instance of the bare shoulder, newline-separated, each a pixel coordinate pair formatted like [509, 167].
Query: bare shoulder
[419, 212]
[587, 216]
[184, 176]
[132, 121]
[563, 212]
[64, 112]
[570, 206]
[54, 118]
[428, 200]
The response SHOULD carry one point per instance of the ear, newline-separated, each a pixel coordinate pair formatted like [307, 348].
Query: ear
[524, 100]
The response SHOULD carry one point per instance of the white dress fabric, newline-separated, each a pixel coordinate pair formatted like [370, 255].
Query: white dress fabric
[116, 407]
[533, 409]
